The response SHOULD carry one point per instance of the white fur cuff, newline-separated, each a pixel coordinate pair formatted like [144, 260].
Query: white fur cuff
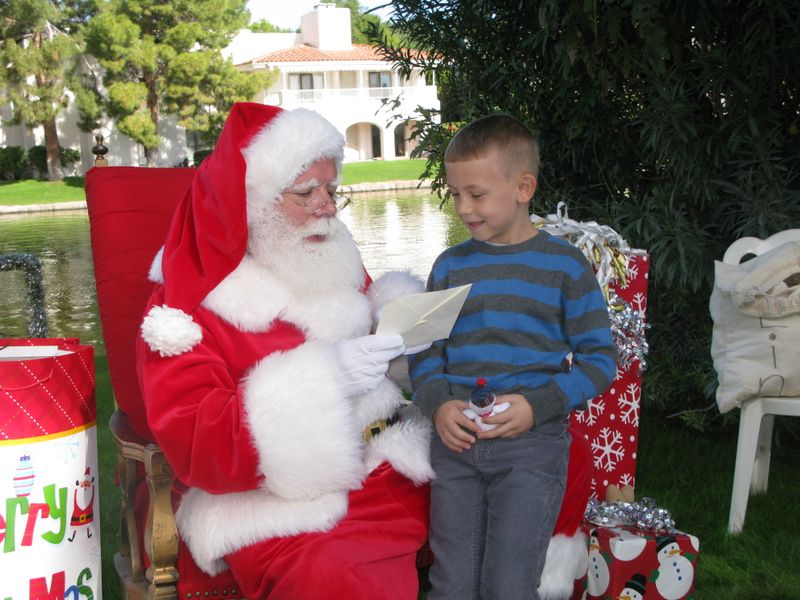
[303, 424]
[215, 525]
[170, 331]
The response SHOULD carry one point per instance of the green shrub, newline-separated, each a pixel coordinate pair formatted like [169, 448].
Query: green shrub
[12, 163]
[37, 159]
[677, 124]
[70, 156]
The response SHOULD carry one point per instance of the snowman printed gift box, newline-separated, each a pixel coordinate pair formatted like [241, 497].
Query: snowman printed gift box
[630, 563]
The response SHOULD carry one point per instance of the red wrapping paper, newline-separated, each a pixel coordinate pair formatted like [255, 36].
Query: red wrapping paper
[629, 563]
[611, 421]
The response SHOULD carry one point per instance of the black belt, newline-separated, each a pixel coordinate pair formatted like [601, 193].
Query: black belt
[376, 427]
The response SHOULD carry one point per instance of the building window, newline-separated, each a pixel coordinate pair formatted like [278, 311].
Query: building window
[301, 81]
[380, 79]
[380, 82]
[308, 86]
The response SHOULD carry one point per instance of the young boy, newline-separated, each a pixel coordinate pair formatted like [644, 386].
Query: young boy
[535, 326]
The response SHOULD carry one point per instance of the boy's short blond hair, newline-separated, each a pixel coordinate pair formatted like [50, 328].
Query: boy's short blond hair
[516, 144]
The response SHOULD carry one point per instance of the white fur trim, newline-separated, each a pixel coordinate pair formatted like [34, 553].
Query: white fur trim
[303, 424]
[232, 300]
[567, 560]
[405, 445]
[332, 316]
[170, 331]
[380, 403]
[393, 285]
[284, 148]
[250, 298]
[215, 525]
[156, 273]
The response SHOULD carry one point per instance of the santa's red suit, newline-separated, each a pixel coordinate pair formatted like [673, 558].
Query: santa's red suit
[243, 390]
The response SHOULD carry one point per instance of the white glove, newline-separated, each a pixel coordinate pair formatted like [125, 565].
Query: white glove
[365, 360]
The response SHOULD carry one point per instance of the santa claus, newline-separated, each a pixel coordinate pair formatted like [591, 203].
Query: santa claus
[304, 468]
[260, 378]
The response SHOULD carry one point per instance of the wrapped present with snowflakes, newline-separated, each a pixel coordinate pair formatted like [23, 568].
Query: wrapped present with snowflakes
[610, 422]
[634, 564]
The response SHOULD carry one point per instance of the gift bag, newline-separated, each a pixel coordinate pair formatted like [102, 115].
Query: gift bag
[49, 521]
[755, 307]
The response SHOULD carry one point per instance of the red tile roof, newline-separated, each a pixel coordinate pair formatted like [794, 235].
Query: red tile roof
[303, 53]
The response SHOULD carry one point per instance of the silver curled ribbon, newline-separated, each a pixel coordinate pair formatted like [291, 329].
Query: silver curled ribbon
[643, 514]
[628, 329]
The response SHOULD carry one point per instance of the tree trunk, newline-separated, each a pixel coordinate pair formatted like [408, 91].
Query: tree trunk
[152, 103]
[150, 155]
[55, 170]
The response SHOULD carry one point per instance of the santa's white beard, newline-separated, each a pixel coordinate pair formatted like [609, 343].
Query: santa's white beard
[317, 257]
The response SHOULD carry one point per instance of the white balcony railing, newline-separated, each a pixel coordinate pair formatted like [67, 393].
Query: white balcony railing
[419, 95]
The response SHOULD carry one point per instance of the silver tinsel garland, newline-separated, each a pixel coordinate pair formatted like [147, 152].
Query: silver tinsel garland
[643, 514]
[628, 331]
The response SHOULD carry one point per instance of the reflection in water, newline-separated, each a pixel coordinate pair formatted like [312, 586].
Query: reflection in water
[394, 232]
[61, 241]
[401, 232]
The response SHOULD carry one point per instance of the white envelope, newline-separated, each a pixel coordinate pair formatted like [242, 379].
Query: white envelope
[423, 318]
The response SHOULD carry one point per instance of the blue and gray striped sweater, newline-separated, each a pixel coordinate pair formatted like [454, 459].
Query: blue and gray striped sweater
[531, 305]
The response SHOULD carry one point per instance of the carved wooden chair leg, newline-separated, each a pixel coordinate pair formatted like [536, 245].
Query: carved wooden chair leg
[161, 539]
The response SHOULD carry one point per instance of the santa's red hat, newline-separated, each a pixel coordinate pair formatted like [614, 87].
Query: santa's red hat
[260, 152]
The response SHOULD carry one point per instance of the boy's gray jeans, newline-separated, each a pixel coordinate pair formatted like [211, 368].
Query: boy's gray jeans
[493, 509]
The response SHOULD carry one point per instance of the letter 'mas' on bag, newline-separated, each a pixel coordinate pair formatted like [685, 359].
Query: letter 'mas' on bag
[49, 520]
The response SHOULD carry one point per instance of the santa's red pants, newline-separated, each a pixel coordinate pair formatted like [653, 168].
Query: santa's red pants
[370, 554]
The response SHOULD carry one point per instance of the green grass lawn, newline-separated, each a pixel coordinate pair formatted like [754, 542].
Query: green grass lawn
[686, 472]
[382, 170]
[692, 475]
[32, 191]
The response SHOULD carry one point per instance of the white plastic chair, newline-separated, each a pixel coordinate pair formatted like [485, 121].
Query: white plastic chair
[757, 417]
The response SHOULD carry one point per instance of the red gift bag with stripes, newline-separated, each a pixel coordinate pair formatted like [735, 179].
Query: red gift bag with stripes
[49, 521]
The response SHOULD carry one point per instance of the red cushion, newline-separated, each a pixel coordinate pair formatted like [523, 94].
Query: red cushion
[130, 209]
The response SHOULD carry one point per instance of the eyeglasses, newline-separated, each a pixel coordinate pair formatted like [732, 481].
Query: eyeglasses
[314, 198]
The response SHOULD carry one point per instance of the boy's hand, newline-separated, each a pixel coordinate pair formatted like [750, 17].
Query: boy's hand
[514, 421]
[450, 422]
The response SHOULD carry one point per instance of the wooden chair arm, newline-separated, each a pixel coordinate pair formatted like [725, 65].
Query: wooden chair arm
[160, 530]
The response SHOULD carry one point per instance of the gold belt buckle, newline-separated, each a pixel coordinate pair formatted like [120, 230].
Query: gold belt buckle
[373, 429]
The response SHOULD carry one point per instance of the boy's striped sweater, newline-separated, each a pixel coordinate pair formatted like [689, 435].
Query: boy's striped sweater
[535, 323]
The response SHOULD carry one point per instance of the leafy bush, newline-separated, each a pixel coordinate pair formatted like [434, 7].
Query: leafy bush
[675, 123]
[37, 159]
[69, 156]
[12, 163]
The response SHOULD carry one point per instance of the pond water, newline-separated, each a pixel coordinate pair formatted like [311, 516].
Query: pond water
[395, 231]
